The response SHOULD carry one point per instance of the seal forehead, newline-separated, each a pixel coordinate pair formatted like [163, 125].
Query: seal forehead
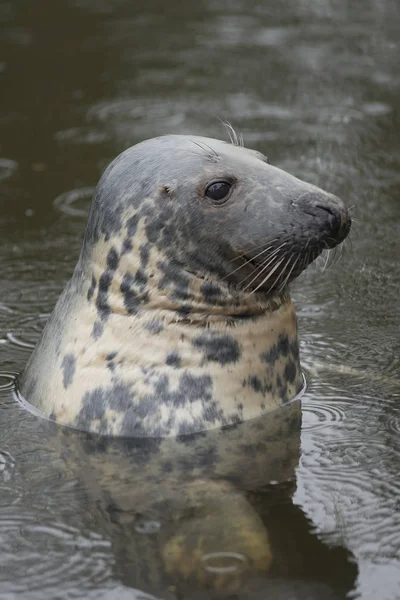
[176, 156]
[228, 151]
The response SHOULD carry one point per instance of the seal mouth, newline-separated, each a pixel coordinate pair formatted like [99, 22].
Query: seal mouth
[273, 274]
[277, 264]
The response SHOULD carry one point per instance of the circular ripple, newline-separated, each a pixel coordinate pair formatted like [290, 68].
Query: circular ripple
[75, 203]
[29, 330]
[50, 557]
[7, 381]
[323, 414]
[18, 342]
[393, 423]
[223, 562]
[7, 168]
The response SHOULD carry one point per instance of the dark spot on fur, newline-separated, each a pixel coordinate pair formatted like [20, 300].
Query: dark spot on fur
[184, 310]
[105, 282]
[140, 279]
[259, 386]
[157, 219]
[281, 348]
[112, 259]
[111, 356]
[68, 365]
[121, 397]
[294, 349]
[174, 279]
[153, 228]
[98, 329]
[282, 388]
[142, 417]
[255, 383]
[126, 246]
[290, 371]
[132, 299]
[131, 225]
[212, 292]
[144, 255]
[155, 326]
[94, 405]
[92, 288]
[191, 388]
[218, 347]
[173, 359]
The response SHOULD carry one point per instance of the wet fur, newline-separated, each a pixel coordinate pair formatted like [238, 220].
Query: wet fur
[158, 334]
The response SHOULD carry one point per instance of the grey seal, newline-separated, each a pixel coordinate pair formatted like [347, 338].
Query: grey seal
[178, 318]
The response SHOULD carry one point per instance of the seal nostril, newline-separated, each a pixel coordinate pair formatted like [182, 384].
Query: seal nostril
[328, 209]
[330, 219]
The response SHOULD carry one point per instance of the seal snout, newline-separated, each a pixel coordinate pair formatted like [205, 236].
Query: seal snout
[329, 214]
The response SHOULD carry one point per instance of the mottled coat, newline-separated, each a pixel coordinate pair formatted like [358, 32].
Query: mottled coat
[171, 322]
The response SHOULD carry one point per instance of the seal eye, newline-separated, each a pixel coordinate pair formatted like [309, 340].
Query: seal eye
[218, 192]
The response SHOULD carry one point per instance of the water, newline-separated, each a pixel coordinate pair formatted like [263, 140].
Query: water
[315, 86]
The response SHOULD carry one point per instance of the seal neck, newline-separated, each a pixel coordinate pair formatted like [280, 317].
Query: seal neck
[137, 282]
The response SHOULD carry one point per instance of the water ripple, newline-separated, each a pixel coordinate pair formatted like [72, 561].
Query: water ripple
[7, 381]
[7, 464]
[18, 342]
[322, 414]
[75, 203]
[29, 329]
[72, 560]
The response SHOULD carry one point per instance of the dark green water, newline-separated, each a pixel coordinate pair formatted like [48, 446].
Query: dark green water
[316, 87]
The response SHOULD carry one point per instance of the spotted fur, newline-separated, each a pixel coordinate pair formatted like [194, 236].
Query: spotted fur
[156, 335]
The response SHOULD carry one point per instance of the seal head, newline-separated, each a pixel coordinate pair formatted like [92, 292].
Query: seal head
[177, 318]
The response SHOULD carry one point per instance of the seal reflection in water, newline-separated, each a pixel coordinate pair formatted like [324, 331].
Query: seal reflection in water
[207, 516]
[177, 318]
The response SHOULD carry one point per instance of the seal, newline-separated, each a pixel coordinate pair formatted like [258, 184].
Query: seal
[178, 318]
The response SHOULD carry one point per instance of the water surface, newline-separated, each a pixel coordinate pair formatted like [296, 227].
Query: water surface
[316, 87]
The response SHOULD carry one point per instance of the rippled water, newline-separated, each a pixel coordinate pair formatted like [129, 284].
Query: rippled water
[315, 86]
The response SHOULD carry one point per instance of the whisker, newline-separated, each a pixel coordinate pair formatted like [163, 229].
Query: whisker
[251, 259]
[212, 150]
[279, 275]
[270, 242]
[289, 274]
[263, 266]
[284, 268]
[328, 255]
[211, 153]
[233, 137]
[268, 276]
